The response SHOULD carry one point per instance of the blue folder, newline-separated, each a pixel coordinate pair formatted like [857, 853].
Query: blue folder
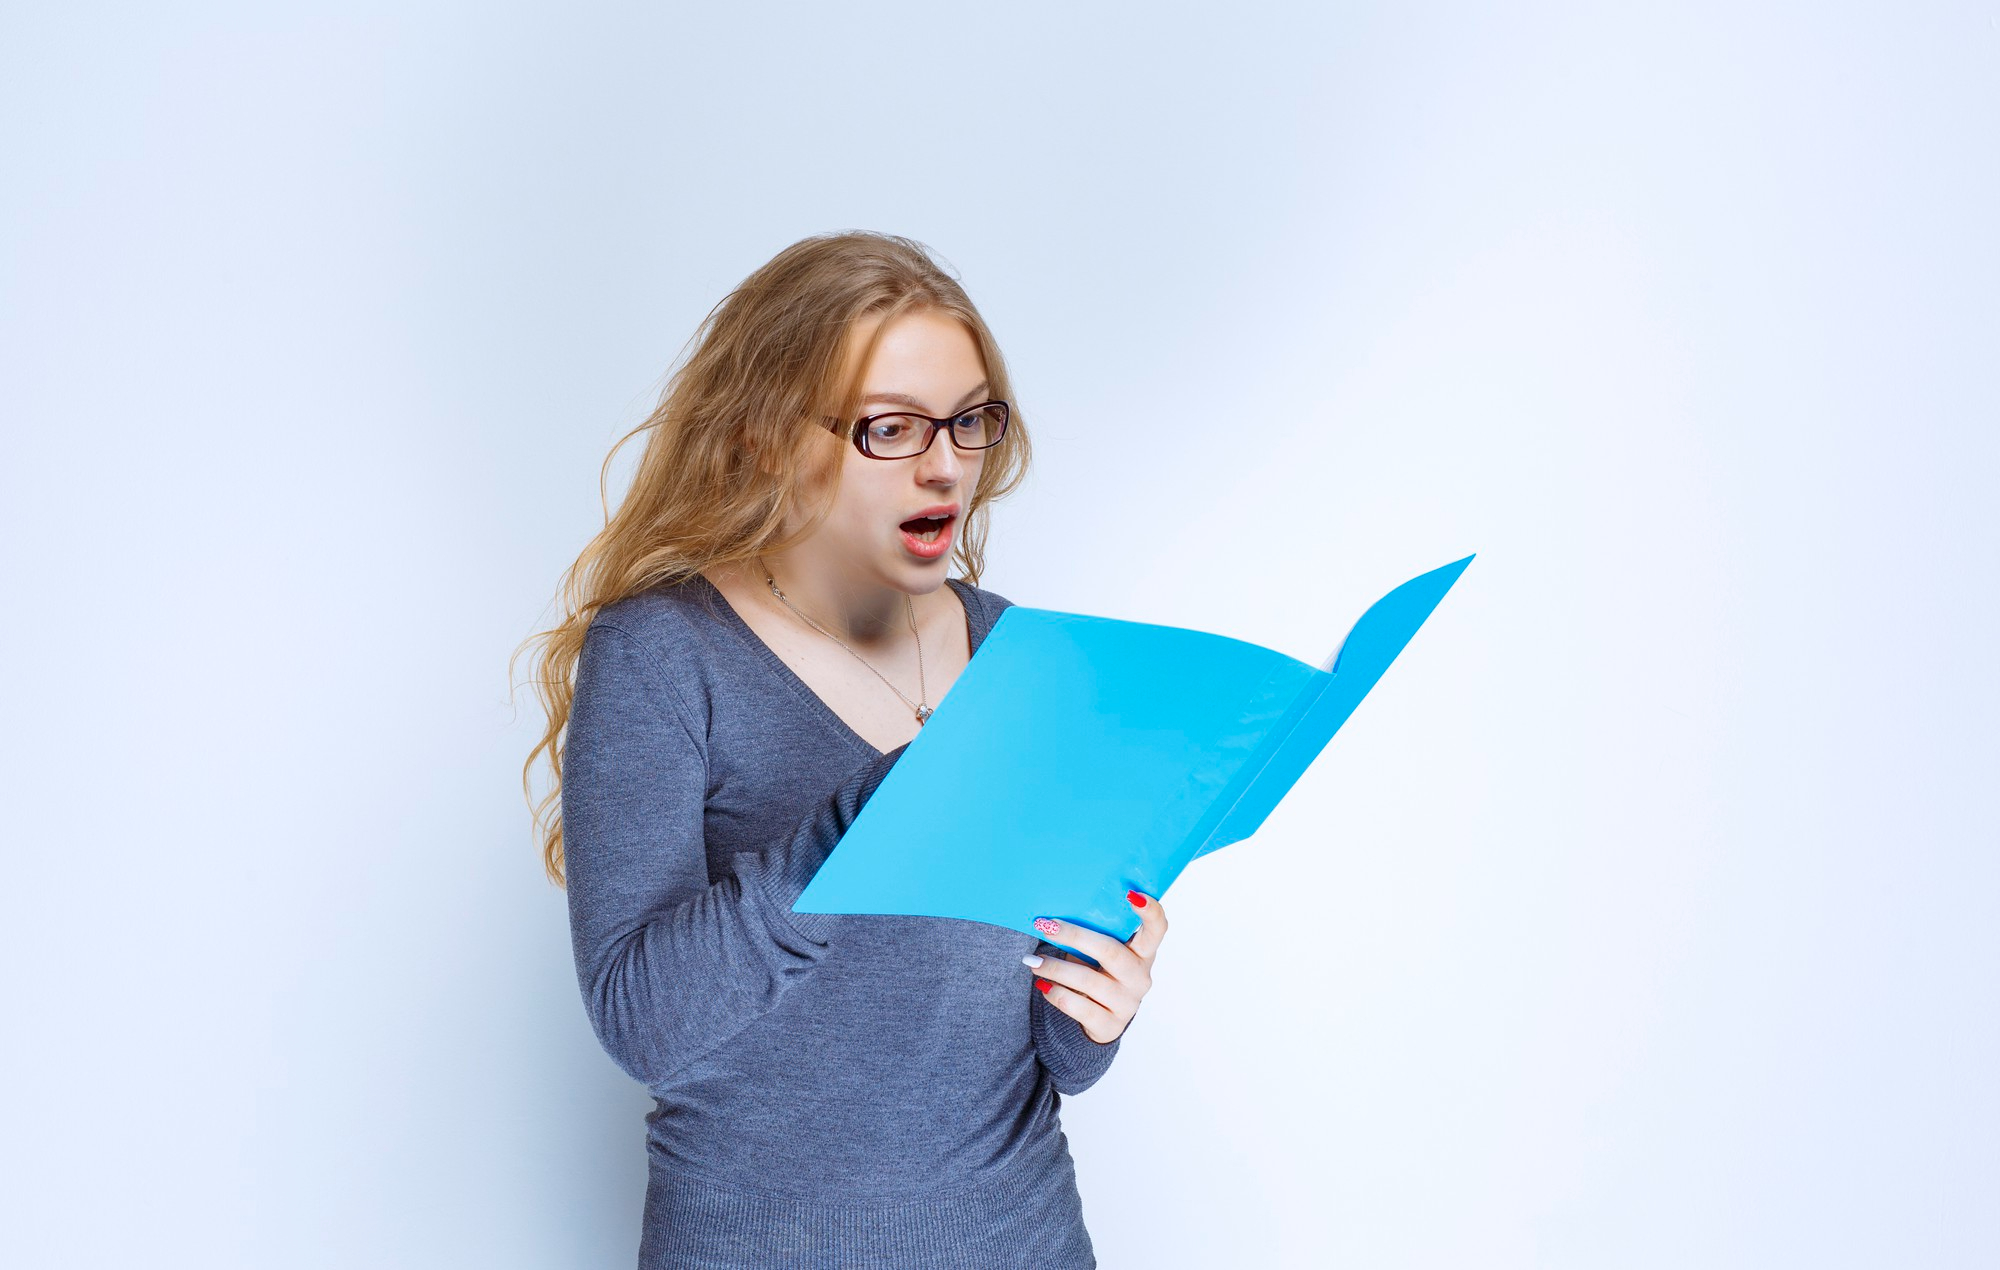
[1078, 757]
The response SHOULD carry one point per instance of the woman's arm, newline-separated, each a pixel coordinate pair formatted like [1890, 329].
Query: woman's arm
[670, 965]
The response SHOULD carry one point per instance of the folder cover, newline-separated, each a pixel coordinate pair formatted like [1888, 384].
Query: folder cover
[1077, 757]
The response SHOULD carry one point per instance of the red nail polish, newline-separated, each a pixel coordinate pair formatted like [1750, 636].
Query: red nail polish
[1138, 900]
[1043, 985]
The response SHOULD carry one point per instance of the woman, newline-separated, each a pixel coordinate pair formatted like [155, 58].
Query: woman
[755, 637]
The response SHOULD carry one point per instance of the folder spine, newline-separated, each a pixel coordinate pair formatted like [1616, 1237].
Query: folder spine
[1209, 832]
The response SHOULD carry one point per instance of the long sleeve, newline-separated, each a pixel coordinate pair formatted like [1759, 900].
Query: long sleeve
[671, 965]
[1074, 1061]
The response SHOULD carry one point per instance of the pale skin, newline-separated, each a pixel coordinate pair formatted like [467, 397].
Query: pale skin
[855, 576]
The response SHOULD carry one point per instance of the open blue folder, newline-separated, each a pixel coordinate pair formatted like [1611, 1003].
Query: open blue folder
[1078, 757]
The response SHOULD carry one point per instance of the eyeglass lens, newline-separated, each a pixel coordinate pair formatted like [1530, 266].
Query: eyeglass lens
[896, 436]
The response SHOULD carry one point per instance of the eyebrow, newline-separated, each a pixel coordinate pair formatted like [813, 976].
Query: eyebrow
[903, 399]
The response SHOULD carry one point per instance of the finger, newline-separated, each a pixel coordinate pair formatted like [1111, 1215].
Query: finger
[1152, 924]
[1050, 950]
[1107, 952]
[1099, 1023]
[1081, 979]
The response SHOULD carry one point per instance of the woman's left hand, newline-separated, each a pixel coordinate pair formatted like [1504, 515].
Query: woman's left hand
[1103, 999]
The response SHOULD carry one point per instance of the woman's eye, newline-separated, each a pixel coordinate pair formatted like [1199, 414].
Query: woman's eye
[889, 431]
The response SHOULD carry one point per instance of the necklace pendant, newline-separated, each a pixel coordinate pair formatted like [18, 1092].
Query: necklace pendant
[923, 714]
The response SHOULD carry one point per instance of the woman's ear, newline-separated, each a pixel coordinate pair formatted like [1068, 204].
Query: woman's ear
[757, 454]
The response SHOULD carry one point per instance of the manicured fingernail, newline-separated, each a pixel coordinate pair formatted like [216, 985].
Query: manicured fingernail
[1031, 960]
[1043, 985]
[1046, 925]
[1138, 900]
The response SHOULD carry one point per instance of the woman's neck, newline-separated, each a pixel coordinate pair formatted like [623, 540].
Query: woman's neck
[864, 617]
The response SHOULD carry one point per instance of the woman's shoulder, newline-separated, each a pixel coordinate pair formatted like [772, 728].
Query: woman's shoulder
[672, 619]
[662, 606]
[671, 637]
[991, 603]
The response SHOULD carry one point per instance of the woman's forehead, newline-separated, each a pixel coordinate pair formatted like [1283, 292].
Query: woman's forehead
[923, 360]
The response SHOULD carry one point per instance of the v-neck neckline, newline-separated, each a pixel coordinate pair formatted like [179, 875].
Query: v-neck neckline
[975, 633]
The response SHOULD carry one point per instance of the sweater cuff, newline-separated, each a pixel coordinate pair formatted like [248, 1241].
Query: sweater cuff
[784, 878]
[783, 886]
[1075, 1061]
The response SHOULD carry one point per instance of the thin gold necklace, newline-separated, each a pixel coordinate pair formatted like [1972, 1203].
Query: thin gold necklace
[923, 711]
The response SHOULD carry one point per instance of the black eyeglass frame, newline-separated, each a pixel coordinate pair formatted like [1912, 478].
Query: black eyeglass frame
[859, 429]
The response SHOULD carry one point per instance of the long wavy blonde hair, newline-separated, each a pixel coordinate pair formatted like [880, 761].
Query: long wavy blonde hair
[733, 449]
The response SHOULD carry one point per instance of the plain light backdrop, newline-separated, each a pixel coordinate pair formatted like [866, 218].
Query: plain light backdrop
[1644, 916]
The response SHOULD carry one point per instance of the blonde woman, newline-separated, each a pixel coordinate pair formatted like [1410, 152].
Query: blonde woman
[749, 645]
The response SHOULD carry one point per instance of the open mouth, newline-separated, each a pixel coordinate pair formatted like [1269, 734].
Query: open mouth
[928, 537]
[926, 528]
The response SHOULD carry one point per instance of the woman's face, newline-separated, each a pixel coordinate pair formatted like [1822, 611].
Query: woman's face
[926, 362]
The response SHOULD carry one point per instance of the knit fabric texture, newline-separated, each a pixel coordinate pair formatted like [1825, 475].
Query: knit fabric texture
[829, 1090]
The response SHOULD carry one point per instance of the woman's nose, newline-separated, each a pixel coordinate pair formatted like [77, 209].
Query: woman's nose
[942, 462]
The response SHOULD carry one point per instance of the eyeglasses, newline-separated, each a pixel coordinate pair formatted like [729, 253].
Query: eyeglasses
[904, 434]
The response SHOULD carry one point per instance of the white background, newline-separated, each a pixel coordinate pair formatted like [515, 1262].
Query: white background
[1644, 915]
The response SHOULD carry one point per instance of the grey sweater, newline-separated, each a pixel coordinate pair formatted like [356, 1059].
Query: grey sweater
[830, 1090]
